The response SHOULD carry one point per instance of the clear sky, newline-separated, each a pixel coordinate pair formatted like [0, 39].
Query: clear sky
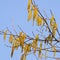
[16, 10]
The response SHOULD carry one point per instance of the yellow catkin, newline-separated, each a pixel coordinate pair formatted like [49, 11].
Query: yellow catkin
[49, 39]
[11, 38]
[37, 37]
[22, 38]
[53, 25]
[54, 32]
[40, 49]
[54, 49]
[18, 39]
[29, 4]
[27, 48]
[29, 14]
[40, 45]
[23, 57]
[39, 21]
[16, 44]
[35, 14]
[5, 33]
[54, 28]
[52, 18]
[34, 45]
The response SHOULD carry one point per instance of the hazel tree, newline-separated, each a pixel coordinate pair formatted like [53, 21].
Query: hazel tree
[39, 43]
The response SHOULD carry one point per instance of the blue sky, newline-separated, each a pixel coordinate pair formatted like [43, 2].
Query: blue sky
[15, 12]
